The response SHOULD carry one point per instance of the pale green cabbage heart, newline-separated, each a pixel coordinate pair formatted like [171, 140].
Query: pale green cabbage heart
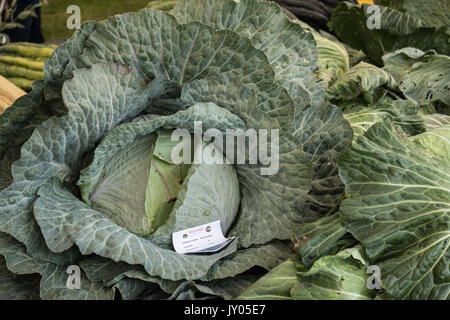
[139, 187]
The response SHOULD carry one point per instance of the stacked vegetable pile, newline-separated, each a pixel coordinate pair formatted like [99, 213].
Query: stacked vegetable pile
[86, 176]
[8, 94]
[23, 62]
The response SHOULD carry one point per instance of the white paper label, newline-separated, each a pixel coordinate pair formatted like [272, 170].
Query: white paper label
[201, 239]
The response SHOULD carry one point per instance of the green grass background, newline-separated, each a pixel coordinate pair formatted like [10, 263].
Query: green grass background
[54, 15]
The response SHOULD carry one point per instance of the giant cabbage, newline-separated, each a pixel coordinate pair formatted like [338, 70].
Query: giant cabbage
[86, 177]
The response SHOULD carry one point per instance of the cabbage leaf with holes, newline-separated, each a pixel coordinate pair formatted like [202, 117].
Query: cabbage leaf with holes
[422, 76]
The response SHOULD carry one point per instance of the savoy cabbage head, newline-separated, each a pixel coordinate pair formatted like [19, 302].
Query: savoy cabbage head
[86, 175]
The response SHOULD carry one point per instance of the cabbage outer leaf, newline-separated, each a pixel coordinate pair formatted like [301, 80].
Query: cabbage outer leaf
[398, 206]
